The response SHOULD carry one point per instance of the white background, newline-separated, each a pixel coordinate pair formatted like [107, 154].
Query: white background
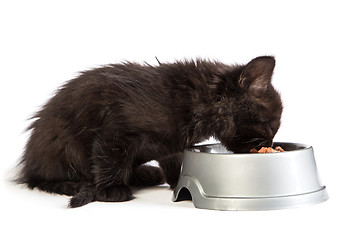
[316, 44]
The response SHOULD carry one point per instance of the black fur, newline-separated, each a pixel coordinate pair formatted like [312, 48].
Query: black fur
[91, 140]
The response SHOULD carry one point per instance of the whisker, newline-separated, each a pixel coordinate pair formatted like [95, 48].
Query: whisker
[253, 140]
[263, 143]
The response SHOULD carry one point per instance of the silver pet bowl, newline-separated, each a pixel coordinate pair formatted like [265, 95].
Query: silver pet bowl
[215, 178]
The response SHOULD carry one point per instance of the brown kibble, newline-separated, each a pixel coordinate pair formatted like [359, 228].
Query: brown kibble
[279, 149]
[267, 150]
[263, 150]
[253, 150]
[270, 150]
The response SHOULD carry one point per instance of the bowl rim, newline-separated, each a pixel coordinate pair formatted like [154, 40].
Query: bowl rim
[302, 147]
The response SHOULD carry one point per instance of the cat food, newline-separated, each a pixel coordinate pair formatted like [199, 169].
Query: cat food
[267, 150]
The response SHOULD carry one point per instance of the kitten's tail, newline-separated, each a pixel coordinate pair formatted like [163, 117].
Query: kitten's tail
[85, 195]
[82, 192]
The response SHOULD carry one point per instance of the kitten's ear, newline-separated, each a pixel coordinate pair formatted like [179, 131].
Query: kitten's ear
[256, 75]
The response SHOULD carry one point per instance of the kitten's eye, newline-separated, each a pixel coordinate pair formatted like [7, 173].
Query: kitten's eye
[264, 121]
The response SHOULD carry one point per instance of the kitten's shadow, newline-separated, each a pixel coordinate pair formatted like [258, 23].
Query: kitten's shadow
[159, 195]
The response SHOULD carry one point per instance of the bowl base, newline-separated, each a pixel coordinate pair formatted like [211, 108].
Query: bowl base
[200, 200]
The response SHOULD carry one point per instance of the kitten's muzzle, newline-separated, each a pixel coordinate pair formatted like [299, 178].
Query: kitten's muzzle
[245, 146]
[262, 143]
[267, 143]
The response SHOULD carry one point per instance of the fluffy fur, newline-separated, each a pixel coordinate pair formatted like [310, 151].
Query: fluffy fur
[91, 140]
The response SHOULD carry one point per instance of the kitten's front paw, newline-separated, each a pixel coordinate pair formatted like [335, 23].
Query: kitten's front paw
[114, 193]
[172, 187]
[172, 183]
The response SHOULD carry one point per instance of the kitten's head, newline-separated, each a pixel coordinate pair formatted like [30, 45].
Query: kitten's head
[257, 118]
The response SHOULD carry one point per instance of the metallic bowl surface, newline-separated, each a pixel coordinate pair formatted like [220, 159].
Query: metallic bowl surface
[219, 179]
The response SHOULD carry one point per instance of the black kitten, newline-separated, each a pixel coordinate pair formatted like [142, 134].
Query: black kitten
[91, 140]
